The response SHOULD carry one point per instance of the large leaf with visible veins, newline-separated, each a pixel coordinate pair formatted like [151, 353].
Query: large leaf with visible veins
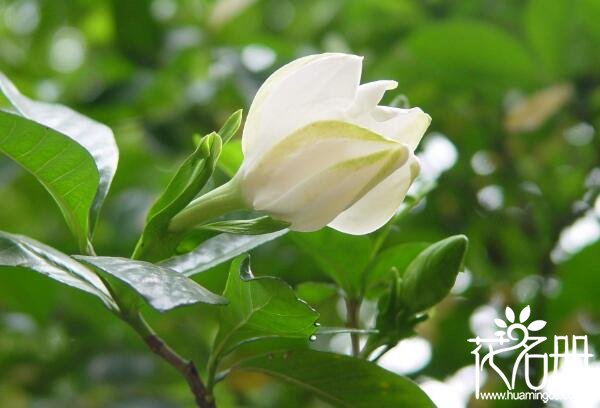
[24, 252]
[343, 381]
[60, 164]
[93, 136]
[262, 307]
[161, 287]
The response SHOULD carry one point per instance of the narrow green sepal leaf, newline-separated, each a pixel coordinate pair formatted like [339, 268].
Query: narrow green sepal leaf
[231, 126]
[255, 226]
[192, 175]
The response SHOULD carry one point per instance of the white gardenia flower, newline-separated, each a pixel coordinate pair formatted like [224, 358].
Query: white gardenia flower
[319, 150]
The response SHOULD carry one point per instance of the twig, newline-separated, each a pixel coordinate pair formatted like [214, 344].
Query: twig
[185, 367]
[352, 311]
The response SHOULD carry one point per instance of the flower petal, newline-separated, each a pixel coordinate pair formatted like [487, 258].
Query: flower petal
[378, 206]
[369, 95]
[402, 125]
[304, 154]
[309, 89]
[313, 203]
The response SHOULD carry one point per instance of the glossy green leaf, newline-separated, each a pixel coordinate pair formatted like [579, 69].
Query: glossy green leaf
[163, 288]
[231, 126]
[260, 307]
[96, 138]
[340, 380]
[255, 226]
[61, 165]
[187, 182]
[217, 250]
[342, 257]
[24, 252]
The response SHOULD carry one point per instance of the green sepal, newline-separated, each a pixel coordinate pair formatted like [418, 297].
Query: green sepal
[231, 126]
[254, 226]
[156, 242]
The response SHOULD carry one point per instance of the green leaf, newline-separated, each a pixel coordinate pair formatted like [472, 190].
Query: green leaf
[547, 27]
[24, 252]
[579, 286]
[398, 256]
[231, 126]
[96, 138]
[137, 32]
[483, 51]
[255, 226]
[260, 308]
[217, 250]
[340, 380]
[163, 288]
[189, 179]
[61, 165]
[342, 257]
[231, 157]
[431, 275]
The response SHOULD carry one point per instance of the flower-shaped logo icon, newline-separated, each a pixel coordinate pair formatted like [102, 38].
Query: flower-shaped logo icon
[510, 324]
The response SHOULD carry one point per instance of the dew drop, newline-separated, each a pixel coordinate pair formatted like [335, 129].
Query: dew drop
[317, 324]
[312, 338]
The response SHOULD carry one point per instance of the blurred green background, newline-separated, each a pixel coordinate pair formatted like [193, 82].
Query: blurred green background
[514, 91]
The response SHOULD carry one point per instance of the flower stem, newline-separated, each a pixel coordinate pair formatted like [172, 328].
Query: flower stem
[221, 200]
[352, 321]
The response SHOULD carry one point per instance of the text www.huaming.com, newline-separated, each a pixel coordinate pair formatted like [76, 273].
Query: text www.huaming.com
[523, 396]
